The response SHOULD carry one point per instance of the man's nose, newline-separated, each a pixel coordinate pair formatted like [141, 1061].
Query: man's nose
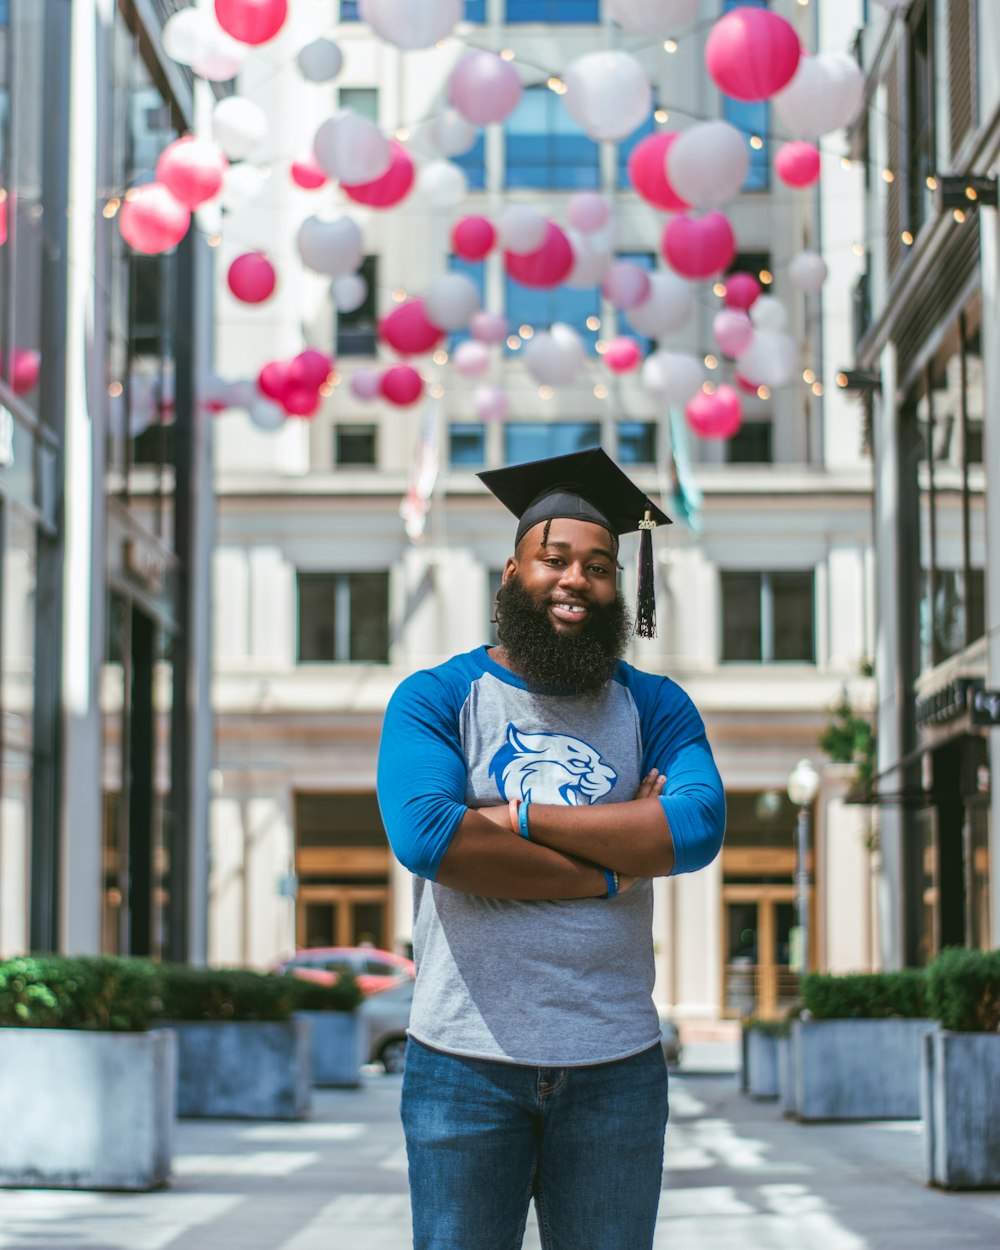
[573, 575]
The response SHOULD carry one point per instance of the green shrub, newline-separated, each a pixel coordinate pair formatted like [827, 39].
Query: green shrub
[343, 995]
[769, 1028]
[63, 992]
[964, 990]
[224, 994]
[866, 996]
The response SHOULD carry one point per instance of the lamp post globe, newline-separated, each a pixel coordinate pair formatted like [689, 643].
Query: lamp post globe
[803, 786]
[803, 783]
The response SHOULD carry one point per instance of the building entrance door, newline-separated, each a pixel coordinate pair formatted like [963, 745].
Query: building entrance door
[343, 915]
[757, 977]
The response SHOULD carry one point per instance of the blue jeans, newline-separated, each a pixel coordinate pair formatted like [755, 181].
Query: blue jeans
[483, 1138]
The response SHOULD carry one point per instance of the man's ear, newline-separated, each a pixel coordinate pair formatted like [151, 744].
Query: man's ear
[509, 569]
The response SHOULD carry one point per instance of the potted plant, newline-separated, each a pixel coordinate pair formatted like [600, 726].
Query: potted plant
[960, 1071]
[338, 1038]
[86, 1086]
[760, 1055]
[241, 1051]
[855, 1052]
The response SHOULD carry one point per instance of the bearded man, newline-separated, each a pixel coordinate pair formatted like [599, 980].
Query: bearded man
[535, 789]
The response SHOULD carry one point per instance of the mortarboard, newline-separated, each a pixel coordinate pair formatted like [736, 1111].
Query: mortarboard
[584, 486]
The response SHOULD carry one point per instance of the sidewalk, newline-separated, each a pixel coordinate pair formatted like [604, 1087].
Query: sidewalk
[738, 1176]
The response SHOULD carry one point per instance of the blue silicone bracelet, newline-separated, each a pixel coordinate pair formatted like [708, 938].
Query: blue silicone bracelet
[522, 820]
[612, 879]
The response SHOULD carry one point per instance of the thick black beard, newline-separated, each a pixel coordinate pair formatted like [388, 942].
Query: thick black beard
[555, 662]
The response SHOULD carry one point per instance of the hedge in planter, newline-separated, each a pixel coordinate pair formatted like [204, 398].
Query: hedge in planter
[760, 1052]
[960, 1071]
[86, 1088]
[338, 1037]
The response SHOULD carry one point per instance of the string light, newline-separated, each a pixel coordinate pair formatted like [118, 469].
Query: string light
[326, 388]
[545, 392]
[109, 210]
[756, 142]
[959, 215]
[763, 392]
[601, 346]
[526, 331]
[719, 289]
[435, 390]
[907, 238]
[214, 240]
[399, 295]
[662, 116]
[766, 276]
[670, 45]
[817, 389]
[711, 362]
[115, 389]
[402, 134]
[845, 162]
[593, 323]
[556, 84]
[888, 175]
[600, 391]
[440, 357]
[513, 342]
[932, 183]
[507, 54]
[858, 249]
[808, 377]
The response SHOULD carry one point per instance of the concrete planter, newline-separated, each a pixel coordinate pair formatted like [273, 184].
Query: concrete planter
[858, 1069]
[244, 1070]
[86, 1110]
[762, 1064]
[960, 1096]
[338, 1047]
[786, 1076]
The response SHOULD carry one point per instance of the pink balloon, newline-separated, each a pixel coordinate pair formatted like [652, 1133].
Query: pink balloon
[490, 403]
[699, 247]
[798, 164]
[307, 174]
[733, 331]
[588, 212]
[152, 220]
[26, 368]
[401, 385]
[752, 53]
[623, 355]
[192, 170]
[365, 384]
[547, 266]
[489, 328]
[409, 331]
[626, 284]
[272, 380]
[3, 220]
[310, 369]
[472, 238]
[252, 278]
[715, 414]
[392, 187]
[251, 21]
[471, 358]
[647, 170]
[301, 401]
[745, 385]
[742, 291]
[484, 88]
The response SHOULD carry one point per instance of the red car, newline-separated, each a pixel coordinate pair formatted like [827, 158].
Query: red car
[374, 969]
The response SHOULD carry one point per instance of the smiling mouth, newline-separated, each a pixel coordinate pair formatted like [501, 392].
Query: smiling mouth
[570, 612]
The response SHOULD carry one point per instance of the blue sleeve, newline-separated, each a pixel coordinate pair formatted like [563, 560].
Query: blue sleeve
[422, 771]
[673, 741]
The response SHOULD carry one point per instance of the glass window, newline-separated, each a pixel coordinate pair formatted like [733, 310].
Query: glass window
[636, 442]
[343, 618]
[553, 11]
[349, 11]
[541, 309]
[768, 617]
[757, 264]
[473, 163]
[545, 148]
[362, 100]
[357, 331]
[751, 444]
[466, 445]
[919, 136]
[354, 445]
[537, 440]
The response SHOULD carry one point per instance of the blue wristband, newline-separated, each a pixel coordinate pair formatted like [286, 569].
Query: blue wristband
[611, 877]
[522, 820]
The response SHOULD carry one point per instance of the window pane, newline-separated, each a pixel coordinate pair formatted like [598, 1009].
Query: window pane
[349, 11]
[316, 618]
[369, 617]
[473, 163]
[466, 445]
[553, 11]
[354, 444]
[751, 444]
[545, 148]
[363, 100]
[792, 614]
[541, 309]
[636, 442]
[475, 10]
[741, 617]
[357, 331]
[525, 441]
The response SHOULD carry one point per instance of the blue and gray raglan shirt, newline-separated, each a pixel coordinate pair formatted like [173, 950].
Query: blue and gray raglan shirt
[553, 983]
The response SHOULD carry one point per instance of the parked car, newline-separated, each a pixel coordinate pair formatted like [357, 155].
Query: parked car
[386, 1015]
[374, 969]
[670, 1040]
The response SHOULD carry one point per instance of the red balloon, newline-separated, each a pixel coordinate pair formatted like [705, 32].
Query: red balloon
[251, 21]
[647, 170]
[715, 414]
[472, 238]
[623, 354]
[3, 220]
[392, 187]
[301, 401]
[409, 331]
[798, 164]
[752, 53]
[699, 247]
[272, 380]
[310, 369]
[152, 220]
[545, 267]
[745, 385]
[192, 170]
[401, 385]
[742, 291]
[252, 278]
[26, 368]
[307, 174]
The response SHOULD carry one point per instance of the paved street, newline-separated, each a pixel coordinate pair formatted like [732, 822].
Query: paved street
[738, 1175]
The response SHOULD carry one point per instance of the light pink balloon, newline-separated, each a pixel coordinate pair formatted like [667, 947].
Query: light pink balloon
[742, 291]
[307, 174]
[797, 164]
[489, 328]
[252, 278]
[401, 385]
[471, 358]
[409, 331]
[26, 368]
[365, 384]
[192, 170]
[752, 53]
[733, 331]
[152, 220]
[626, 284]
[647, 171]
[623, 355]
[251, 21]
[389, 189]
[310, 369]
[490, 403]
[472, 238]
[484, 88]
[715, 414]
[699, 247]
[588, 211]
[546, 267]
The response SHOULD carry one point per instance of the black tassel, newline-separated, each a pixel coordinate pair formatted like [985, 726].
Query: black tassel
[645, 614]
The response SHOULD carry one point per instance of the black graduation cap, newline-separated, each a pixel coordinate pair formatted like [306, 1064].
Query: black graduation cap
[584, 486]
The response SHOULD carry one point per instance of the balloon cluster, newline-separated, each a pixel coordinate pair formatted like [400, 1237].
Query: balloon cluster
[297, 384]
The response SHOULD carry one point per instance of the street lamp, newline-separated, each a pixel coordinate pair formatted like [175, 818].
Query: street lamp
[803, 783]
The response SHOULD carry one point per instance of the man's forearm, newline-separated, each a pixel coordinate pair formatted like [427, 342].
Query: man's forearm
[632, 838]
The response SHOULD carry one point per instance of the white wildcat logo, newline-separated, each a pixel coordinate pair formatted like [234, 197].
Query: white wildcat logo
[550, 768]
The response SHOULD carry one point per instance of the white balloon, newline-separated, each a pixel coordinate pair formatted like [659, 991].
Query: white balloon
[668, 306]
[442, 184]
[245, 393]
[451, 300]
[351, 148]
[808, 271]
[189, 36]
[653, 17]
[320, 61]
[673, 377]
[239, 127]
[521, 229]
[825, 95]
[224, 62]
[241, 184]
[332, 247]
[349, 292]
[471, 359]
[772, 359]
[769, 313]
[266, 414]
[591, 259]
[452, 134]
[490, 403]
[411, 23]
[608, 95]
[554, 357]
[708, 164]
